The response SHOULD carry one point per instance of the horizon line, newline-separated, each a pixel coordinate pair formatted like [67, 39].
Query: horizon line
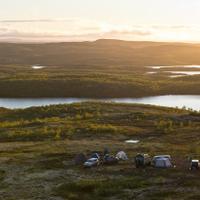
[96, 40]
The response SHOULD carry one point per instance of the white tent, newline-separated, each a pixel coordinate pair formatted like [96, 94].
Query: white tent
[121, 156]
[160, 156]
[163, 163]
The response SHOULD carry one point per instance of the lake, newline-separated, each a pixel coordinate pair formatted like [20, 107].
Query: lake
[189, 101]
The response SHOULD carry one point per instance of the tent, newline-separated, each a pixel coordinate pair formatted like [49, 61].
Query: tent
[80, 159]
[161, 156]
[121, 156]
[163, 163]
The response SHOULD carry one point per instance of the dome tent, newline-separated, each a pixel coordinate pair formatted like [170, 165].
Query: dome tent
[163, 163]
[160, 156]
[121, 155]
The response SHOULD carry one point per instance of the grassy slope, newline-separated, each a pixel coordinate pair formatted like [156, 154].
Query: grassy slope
[42, 168]
[105, 68]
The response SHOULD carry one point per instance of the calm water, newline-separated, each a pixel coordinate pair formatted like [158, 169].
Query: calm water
[190, 101]
[38, 67]
[175, 66]
[185, 72]
[176, 73]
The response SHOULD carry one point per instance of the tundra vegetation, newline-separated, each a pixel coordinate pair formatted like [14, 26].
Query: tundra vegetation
[104, 68]
[38, 145]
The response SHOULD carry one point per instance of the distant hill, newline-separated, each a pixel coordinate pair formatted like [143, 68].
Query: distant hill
[100, 53]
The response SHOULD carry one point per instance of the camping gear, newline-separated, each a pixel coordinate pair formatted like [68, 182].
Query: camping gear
[142, 160]
[195, 165]
[92, 162]
[160, 156]
[162, 163]
[110, 160]
[80, 159]
[121, 156]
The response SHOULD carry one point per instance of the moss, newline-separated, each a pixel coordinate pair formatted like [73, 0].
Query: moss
[89, 189]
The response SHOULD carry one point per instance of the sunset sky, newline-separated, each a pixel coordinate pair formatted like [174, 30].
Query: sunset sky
[80, 20]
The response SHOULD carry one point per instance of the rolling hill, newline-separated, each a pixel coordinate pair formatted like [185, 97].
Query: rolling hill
[99, 69]
[100, 53]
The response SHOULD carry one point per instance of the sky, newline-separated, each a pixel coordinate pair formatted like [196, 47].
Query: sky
[88, 20]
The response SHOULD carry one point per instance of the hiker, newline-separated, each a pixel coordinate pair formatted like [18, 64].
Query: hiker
[110, 160]
[106, 151]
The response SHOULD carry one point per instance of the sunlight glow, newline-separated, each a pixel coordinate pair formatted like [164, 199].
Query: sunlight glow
[78, 20]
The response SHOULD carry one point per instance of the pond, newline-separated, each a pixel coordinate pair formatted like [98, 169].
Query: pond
[38, 67]
[186, 73]
[175, 66]
[176, 73]
[189, 101]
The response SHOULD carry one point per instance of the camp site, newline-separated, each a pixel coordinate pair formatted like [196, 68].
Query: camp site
[64, 149]
[99, 99]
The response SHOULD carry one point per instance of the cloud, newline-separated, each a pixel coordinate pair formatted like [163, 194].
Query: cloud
[50, 30]
[37, 20]
[133, 32]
